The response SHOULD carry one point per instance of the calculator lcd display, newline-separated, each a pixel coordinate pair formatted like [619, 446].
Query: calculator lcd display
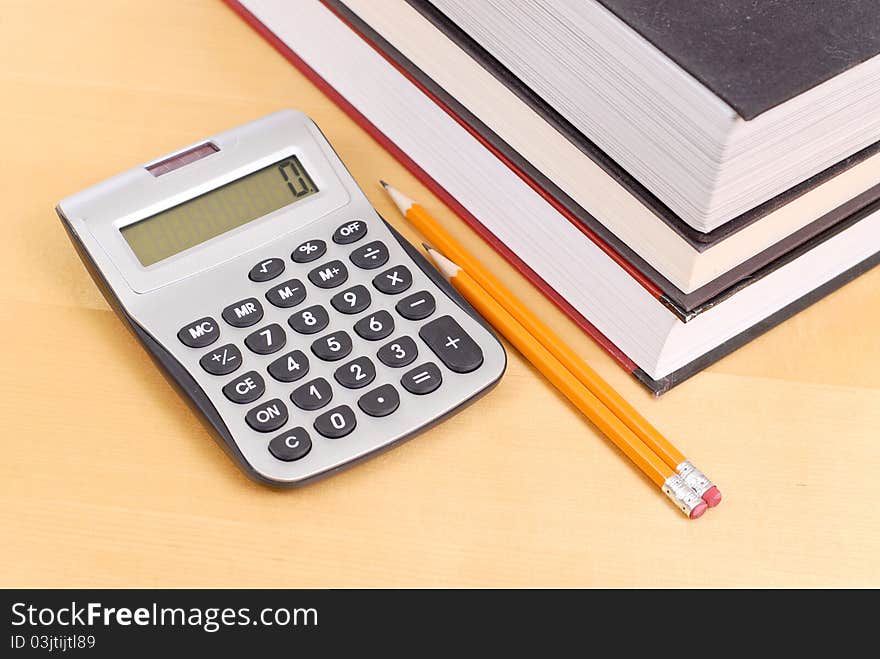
[193, 222]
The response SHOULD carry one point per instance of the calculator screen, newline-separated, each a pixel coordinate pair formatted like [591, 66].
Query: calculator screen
[193, 222]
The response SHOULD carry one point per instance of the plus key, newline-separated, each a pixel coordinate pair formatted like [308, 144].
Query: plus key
[455, 348]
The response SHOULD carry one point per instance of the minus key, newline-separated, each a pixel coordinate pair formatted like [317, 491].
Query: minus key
[417, 306]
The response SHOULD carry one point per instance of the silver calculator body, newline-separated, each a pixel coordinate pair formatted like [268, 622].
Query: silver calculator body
[187, 306]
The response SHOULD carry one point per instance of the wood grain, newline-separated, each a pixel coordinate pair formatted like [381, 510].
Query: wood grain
[108, 480]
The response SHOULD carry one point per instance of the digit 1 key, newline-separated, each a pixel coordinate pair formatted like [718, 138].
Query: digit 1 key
[458, 351]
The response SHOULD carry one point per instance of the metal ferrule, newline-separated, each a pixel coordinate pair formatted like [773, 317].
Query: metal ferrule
[681, 494]
[694, 478]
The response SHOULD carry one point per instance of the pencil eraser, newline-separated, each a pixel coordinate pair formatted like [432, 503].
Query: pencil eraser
[712, 496]
[698, 510]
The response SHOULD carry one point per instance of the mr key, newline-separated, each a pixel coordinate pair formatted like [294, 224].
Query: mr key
[306, 333]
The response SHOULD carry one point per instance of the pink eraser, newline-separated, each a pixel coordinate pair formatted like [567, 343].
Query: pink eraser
[712, 496]
[698, 510]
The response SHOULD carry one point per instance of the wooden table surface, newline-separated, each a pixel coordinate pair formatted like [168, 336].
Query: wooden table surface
[107, 478]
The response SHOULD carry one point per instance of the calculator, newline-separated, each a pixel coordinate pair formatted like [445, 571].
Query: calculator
[303, 329]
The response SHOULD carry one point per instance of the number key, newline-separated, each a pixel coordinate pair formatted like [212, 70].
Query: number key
[352, 300]
[400, 352]
[333, 346]
[290, 367]
[313, 395]
[356, 374]
[336, 423]
[267, 340]
[310, 321]
[375, 326]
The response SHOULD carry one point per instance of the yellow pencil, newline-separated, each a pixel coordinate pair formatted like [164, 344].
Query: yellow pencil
[439, 238]
[560, 377]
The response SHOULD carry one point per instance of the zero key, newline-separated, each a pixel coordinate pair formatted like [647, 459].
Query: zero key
[455, 348]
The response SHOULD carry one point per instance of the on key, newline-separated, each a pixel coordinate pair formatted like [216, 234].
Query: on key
[455, 348]
[267, 417]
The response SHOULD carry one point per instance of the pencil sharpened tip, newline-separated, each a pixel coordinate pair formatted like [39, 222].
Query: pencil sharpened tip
[384, 184]
[427, 247]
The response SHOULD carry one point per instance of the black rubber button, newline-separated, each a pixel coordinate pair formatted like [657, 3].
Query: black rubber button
[266, 340]
[352, 300]
[370, 256]
[246, 388]
[266, 270]
[244, 313]
[200, 333]
[333, 346]
[267, 416]
[417, 306]
[394, 280]
[336, 423]
[350, 232]
[399, 352]
[355, 374]
[310, 321]
[329, 275]
[381, 401]
[376, 326]
[422, 379]
[287, 294]
[291, 445]
[222, 361]
[455, 348]
[309, 251]
[290, 367]
[313, 395]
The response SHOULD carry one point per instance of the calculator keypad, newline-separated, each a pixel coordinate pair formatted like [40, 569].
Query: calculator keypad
[399, 352]
[394, 280]
[287, 294]
[350, 232]
[223, 360]
[370, 256]
[267, 416]
[310, 321]
[336, 423]
[376, 326]
[350, 355]
[266, 270]
[333, 347]
[352, 300]
[417, 306]
[266, 340]
[310, 250]
[356, 374]
[246, 388]
[200, 333]
[243, 313]
[290, 367]
[329, 275]
[294, 444]
[313, 395]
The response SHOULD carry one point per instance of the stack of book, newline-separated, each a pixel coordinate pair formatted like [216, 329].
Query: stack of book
[678, 177]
